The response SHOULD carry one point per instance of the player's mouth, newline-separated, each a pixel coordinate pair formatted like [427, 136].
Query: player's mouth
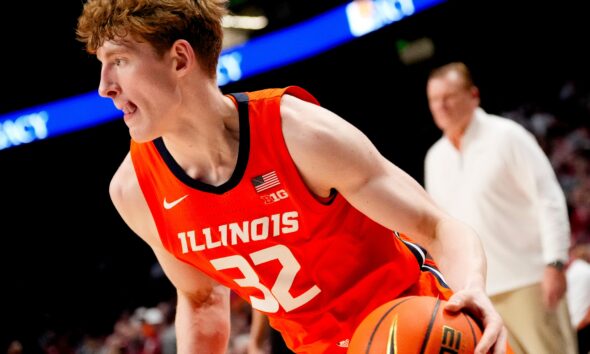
[128, 110]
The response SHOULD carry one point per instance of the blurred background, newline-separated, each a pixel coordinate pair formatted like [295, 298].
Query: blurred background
[70, 265]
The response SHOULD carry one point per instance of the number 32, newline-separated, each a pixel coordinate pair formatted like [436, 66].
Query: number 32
[279, 294]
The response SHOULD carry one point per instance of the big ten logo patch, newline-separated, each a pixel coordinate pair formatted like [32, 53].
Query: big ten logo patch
[451, 341]
[274, 197]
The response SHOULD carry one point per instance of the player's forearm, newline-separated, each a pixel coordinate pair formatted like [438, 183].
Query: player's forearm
[202, 328]
[259, 330]
[459, 254]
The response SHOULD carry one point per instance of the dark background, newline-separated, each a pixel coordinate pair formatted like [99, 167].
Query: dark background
[68, 261]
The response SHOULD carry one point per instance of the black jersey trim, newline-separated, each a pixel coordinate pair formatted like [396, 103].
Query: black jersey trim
[417, 251]
[437, 274]
[243, 153]
[421, 256]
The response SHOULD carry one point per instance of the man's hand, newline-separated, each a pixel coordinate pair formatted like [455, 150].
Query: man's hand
[553, 286]
[494, 338]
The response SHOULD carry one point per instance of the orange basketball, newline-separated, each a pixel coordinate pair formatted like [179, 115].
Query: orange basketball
[415, 325]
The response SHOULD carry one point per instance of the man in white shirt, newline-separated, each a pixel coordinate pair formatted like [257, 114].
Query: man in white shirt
[491, 173]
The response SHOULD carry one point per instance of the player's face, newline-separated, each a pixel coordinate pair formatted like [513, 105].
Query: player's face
[141, 84]
[451, 103]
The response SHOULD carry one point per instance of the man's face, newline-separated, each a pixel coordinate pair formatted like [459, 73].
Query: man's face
[140, 83]
[451, 102]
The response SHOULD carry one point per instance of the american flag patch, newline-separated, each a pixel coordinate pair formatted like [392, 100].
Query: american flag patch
[265, 181]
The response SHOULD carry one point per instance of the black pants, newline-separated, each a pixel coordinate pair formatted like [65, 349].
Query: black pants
[584, 340]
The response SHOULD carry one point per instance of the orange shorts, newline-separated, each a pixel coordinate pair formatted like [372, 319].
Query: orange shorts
[430, 283]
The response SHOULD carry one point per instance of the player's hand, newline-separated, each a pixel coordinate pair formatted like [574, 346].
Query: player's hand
[495, 336]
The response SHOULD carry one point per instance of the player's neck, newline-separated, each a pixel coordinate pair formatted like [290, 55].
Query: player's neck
[205, 140]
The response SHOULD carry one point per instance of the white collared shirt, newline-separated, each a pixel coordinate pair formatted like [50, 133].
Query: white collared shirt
[502, 184]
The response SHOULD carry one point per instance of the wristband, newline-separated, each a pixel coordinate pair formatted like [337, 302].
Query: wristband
[559, 265]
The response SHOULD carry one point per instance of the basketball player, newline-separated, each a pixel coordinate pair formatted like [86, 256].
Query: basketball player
[265, 192]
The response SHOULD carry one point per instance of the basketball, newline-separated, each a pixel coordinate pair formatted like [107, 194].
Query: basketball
[415, 325]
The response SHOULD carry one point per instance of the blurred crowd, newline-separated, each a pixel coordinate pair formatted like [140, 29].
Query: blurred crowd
[145, 330]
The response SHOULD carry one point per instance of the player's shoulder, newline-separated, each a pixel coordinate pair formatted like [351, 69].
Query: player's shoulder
[128, 199]
[303, 112]
[296, 99]
[280, 93]
[292, 105]
[124, 182]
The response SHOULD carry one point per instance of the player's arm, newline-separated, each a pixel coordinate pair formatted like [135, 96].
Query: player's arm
[259, 332]
[202, 314]
[331, 153]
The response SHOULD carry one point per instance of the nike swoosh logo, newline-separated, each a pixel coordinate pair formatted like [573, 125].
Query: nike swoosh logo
[170, 205]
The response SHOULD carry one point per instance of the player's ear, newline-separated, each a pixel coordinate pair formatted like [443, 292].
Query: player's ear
[183, 56]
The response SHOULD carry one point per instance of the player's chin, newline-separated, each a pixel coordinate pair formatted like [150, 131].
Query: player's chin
[140, 135]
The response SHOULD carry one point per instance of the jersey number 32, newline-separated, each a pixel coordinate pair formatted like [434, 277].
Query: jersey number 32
[279, 294]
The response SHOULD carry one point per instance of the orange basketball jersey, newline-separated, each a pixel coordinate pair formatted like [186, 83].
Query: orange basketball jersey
[316, 268]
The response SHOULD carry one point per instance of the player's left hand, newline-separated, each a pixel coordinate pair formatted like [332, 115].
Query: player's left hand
[495, 335]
